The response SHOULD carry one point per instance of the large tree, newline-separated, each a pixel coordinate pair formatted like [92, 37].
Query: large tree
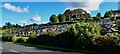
[68, 13]
[68, 18]
[59, 17]
[8, 25]
[54, 19]
[62, 18]
[108, 14]
[98, 16]
[17, 26]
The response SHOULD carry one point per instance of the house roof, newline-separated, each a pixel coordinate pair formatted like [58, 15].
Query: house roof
[116, 11]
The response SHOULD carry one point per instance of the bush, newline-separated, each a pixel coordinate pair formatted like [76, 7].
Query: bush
[14, 38]
[21, 40]
[31, 40]
[7, 37]
[32, 35]
[108, 43]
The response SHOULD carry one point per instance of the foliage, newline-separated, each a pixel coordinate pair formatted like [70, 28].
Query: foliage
[67, 17]
[98, 16]
[31, 40]
[32, 35]
[10, 26]
[59, 17]
[54, 19]
[7, 37]
[108, 43]
[114, 18]
[108, 14]
[21, 40]
[78, 36]
[63, 18]
[17, 26]
[14, 38]
[67, 13]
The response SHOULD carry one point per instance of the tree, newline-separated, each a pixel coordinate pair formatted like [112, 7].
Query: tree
[108, 14]
[54, 19]
[17, 26]
[98, 16]
[8, 25]
[34, 24]
[63, 18]
[114, 17]
[67, 17]
[67, 11]
[59, 17]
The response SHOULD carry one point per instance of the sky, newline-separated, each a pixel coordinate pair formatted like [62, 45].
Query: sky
[40, 12]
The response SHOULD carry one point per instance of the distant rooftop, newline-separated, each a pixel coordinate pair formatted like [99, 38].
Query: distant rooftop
[116, 11]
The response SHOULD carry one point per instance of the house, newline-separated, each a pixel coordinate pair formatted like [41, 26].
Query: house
[78, 14]
[116, 13]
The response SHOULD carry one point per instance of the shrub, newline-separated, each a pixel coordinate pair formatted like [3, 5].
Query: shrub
[7, 37]
[31, 40]
[32, 35]
[21, 40]
[14, 38]
[108, 43]
[52, 33]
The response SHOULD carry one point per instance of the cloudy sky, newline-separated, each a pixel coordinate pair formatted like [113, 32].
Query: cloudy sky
[39, 12]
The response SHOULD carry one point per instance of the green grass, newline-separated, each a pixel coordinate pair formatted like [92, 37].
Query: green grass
[2, 31]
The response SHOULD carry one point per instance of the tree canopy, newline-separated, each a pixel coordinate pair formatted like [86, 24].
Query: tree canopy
[98, 16]
[62, 18]
[54, 19]
[108, 14]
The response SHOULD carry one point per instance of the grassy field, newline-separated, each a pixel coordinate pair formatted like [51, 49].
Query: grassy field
[2, 31]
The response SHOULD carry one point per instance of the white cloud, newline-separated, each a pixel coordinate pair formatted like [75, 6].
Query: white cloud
[79, 0]
[36, 18]
[15, 8]
[24, 21]
[52, 0]
[88, 5]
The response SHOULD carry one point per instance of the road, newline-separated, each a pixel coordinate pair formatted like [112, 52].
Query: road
[6, 48]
